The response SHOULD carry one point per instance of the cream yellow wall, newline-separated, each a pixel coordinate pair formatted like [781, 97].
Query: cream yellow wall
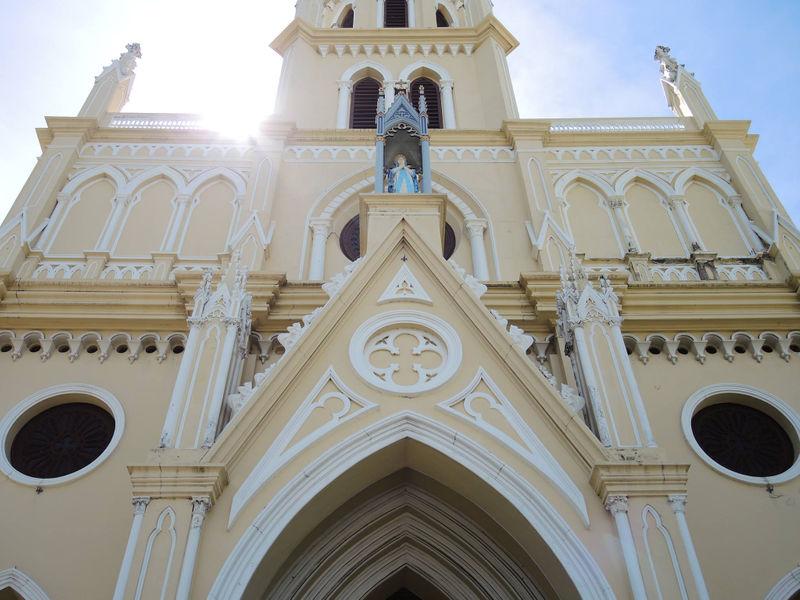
[655, 231]
[84, 218]
[591, 223]
[714, 222]
[209, 221]
[147, 220]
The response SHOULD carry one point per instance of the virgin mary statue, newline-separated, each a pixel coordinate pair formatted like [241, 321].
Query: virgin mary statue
[402, 178]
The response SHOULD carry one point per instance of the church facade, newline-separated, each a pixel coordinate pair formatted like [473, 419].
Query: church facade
[402, 344]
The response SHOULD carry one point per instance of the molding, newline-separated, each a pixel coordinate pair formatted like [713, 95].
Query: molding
[638, 479]
[280, 452]
[529, 446]
[167, 513]
[102, 397]
[22, 584]
[676, 567]
[169, 481]
[556, 533]
[405, 287]
[787, 587]
[791, 418]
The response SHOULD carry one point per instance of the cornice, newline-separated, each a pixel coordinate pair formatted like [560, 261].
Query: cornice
[722, 133]
[74, 127]
[490, 28]
[168, 480]
[639, 479]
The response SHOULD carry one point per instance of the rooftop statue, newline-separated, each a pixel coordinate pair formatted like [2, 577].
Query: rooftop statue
[126, 63]
[669, 66]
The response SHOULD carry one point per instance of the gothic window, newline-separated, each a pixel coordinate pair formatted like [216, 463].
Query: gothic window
[61, 440]
[395, 13]
[441, 19]
[433, 98]
[350, 240]
[743, 439]
[347, 19]
[364, 104]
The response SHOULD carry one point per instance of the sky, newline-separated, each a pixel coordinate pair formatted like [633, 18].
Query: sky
[577, 58]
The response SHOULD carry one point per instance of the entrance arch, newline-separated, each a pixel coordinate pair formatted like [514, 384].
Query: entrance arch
[557, 548]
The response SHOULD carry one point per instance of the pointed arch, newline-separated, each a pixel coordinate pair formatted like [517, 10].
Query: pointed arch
[90, 175]
[339, 16]
[162, 172]
[229, 175]
[367, 67]
[787, 587]
[645, 177]
[22, 584]
[449, 12]
[543, 517]
[586, 177]
[682, 181]
[425, 67]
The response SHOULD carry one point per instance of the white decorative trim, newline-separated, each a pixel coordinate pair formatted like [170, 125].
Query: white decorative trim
[413, 323]
[676, 567]
[648, 153]
[519, 338]
[473, 284]
[554, 530]
[787, 587]
[280, 452]
[334, 286]
[21, 410]
[168, 512]
[22, 584]
[529, 447]
[790, 416]
[405, 287]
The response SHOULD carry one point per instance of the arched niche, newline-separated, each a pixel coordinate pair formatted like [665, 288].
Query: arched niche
[211, 216]
[147, 218]
[543, 536]
[652, 221]
[82, 220]
[590, 222]
[714, 220]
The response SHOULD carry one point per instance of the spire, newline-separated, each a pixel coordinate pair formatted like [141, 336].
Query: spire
[113, 86]
[684, 94]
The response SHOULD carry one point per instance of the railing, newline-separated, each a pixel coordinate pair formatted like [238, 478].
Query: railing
[156, 121]
[621, 125]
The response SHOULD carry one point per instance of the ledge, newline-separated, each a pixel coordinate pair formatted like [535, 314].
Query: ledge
[639, 479]
[178, 481]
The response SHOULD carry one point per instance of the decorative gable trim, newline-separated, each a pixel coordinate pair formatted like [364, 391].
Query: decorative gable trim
[405, 286]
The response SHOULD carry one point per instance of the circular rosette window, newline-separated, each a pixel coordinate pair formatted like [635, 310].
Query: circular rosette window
[406, 352]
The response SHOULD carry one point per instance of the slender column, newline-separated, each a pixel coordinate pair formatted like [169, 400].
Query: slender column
[412, 13]
[735, 203]
[109, 233]
[321, 229]
[617, 204]
[633, 386]
[448, 106]
[139, 506]
[379, 159]
[427, 176]
[179, 391]
[343, 116]
[379, 13]
[62, 201]
[200, 506]
[220, 382]
[388, 90]
[618, 507]
[592, 389]
[181, 204]
[480, 266]
[678, 204]
[678, 504]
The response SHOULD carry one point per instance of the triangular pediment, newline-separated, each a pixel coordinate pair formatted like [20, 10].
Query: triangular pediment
[402, 112]
[405, 287]
[406, 356]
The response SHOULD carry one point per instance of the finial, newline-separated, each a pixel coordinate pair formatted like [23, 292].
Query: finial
[135, 49]
[669, 66]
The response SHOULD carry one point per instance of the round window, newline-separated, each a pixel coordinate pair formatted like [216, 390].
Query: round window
[61, 440]
[744, 433]
[350, 240]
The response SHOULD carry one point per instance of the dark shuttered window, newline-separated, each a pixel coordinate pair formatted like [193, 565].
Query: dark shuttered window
[364, 106]
[441, 19]
[433, 99]
[347, 21]
[395, 13]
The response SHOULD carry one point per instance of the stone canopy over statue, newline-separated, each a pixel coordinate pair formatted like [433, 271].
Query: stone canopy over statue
[402, 146]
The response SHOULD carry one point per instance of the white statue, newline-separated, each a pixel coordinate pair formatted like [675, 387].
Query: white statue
[402, 178]
[669, 66]
[125, 64]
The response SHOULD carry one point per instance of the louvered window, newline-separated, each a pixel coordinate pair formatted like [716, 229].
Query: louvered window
[364, 106]
[395, 13]
[441, 19]
[433, 99]
[347, 21]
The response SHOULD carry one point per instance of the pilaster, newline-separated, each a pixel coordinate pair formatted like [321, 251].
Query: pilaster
[380, 213]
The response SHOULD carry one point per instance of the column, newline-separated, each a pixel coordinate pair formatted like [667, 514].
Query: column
[618, 507]
[343, 116]
[62, 201]
[480, 266]
[379, 13]
[678, 504]
[412, 13]
[139, 506]
[176, 225]
[678, 204]
[179, 391]
[592, 389]
[379, 160]
[633, 386]
[427, 176]
[121, 203]
[321, 229]
[617, 204]
[448, 106]
[735, 202]
[200, 506]
[220, 383]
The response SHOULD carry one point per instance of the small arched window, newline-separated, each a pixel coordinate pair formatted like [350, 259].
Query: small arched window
[441, 19]
[347, 19]
[432, 97]
[395, 13]
[364, 104]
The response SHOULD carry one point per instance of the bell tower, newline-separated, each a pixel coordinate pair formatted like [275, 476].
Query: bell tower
[454, 49]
